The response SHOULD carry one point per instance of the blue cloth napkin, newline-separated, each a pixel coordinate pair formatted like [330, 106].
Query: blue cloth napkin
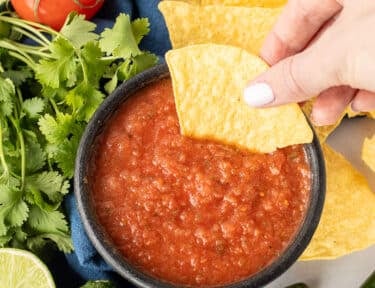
[85, 260]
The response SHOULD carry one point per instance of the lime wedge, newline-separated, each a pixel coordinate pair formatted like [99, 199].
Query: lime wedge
[22, 269]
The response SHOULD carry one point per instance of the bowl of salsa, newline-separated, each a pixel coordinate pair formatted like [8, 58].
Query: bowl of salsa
[165, 210]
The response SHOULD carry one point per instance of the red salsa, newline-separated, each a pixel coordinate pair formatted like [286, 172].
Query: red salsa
[189, 211]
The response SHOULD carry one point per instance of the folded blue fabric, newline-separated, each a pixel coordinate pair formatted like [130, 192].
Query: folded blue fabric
[85, 260]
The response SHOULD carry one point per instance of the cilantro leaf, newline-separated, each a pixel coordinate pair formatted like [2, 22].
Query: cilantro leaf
[56, 130]
[140, 28]
[48, 225]
[98, 284]
[61, 68]
[120, 40]
[33, 107]
[79, 31]
[91, 99]
[50, 183]
[35, 155]
[13, 210]
[94, 66]
[63, 242]
[18, 76]
[65, 155]
[7, 93]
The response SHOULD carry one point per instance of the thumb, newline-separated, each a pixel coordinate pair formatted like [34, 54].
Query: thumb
[293, 79]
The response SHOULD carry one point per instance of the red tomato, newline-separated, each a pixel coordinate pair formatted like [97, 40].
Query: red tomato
[54, 12]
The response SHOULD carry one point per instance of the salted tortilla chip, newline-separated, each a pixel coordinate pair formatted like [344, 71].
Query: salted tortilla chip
[368, 153]
[322, 132]
[244, 27]
[371, 114]
[248, 3]
[208, 83]
[348, 219]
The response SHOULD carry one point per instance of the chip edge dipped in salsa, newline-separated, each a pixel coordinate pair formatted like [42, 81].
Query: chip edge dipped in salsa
[193, 212]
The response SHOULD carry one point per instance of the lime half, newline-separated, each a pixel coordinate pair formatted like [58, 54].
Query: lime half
[21, 269]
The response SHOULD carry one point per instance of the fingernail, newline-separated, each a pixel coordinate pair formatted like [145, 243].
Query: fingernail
[258, 94]
[354, 109]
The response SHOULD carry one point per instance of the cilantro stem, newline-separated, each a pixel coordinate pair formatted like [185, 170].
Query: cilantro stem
[84, 69]
[29, 26]
[2, 157]
[54, 106]
[8, 45]
[32, 50]
[31, 63]
[30, 35]
[16, 125]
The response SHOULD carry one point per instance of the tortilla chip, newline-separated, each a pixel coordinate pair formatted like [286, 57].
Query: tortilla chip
[243, 27]
[348, 219]
[371, 114]
[352, 114]
[208, 83]
[244, 3]
[368, 153]
[322, 132]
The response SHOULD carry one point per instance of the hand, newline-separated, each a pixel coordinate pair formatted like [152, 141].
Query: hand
[320, 47]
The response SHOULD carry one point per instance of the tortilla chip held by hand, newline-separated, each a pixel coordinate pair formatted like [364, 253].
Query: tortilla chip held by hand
[208, 83]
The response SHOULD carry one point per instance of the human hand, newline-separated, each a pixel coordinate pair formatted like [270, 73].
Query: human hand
[324, 48]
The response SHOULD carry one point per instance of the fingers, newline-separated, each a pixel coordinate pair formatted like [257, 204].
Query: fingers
[294, 79]
[330, 104]
[364, 101]
[297, 25]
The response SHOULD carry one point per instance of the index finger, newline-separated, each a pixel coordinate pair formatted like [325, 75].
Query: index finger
[296, 26]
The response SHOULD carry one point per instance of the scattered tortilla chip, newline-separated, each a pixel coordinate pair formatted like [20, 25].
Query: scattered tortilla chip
[368, 153]
[244, 27]
[208, 83]
[244, 3]
[348, 219]
[322, 132]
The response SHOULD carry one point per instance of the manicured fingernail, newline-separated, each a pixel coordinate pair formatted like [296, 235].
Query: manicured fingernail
[258, 94]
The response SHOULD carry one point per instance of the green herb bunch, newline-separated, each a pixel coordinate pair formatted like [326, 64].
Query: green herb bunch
[48, 92]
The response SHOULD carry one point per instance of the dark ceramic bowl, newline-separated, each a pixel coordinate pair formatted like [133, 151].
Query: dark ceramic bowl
[108, 250]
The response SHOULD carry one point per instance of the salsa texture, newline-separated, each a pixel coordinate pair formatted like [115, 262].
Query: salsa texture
[189, 211]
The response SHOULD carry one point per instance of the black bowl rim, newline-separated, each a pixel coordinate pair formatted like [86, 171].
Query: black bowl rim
[109, 252]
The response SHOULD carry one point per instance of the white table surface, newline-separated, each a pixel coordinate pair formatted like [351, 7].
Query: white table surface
[351, 270]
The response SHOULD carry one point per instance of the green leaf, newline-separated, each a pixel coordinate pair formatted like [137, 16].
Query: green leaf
[94, 66]
[120, 40]
[48, 225]
[140, 28]
[63, 68]
[33, 107]
[4, 240]
[63, 242]
[56, 130]
[50, 183]
[65, 155]
[13, 210]
[35, 155]
[91, 98]
[136, 65]
[98, 284]
[7, 94]
[79, 31]
[111, 85]
[18, 76]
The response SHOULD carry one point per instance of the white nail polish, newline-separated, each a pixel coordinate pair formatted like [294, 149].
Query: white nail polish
[258, 94]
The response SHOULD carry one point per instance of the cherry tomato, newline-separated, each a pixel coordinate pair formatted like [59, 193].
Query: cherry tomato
[54, 12]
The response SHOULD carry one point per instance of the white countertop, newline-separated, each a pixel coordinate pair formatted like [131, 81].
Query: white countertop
[351, 270]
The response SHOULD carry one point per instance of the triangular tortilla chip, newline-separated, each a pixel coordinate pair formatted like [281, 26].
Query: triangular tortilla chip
[208, 83]
[348, 220]
[244, 27]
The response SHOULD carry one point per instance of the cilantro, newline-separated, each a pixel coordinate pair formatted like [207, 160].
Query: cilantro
[48, 93]
[98, 284]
